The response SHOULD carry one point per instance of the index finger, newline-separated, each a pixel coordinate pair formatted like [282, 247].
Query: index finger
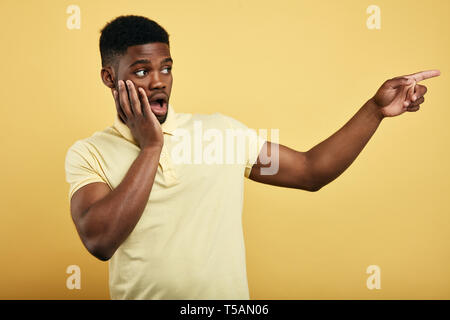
[419, 76]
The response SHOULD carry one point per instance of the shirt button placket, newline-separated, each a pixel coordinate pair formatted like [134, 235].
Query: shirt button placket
[168, 171]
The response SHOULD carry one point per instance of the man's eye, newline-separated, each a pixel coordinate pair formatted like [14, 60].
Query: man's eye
[168, 69]
[140, 73]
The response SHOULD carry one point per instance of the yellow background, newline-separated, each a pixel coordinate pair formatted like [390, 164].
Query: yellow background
[304, 67]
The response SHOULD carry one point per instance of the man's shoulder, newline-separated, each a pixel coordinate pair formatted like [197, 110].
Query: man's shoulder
[95, 140]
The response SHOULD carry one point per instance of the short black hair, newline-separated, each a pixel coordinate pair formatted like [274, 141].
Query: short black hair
[126, 31]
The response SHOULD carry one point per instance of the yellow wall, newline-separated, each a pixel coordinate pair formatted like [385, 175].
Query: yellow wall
[304, 67]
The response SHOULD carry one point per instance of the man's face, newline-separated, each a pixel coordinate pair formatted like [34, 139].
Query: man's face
[149, 66]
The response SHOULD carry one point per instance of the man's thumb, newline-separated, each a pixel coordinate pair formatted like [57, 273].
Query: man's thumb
[396, 82]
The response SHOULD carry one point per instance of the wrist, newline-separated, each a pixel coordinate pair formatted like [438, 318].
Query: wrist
[152, 149]
[375, 110]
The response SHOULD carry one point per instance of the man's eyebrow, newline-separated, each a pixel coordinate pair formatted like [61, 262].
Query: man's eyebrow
[147, 61]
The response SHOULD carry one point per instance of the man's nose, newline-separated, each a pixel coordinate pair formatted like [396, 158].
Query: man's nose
[155, 81]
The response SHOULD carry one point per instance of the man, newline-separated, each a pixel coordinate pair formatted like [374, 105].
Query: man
[174, 230]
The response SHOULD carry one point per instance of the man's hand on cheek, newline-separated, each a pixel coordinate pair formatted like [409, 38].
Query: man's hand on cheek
[134, 110]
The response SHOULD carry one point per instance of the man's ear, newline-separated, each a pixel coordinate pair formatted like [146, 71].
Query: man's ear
[108, 77]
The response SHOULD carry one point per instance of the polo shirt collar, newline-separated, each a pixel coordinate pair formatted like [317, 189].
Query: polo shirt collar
[168, 126]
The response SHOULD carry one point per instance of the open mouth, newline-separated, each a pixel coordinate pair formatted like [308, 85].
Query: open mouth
[159, 106]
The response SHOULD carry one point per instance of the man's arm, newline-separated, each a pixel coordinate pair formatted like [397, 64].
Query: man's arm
[330, 158]
[105, 218]
[323, 163]
[293, 168]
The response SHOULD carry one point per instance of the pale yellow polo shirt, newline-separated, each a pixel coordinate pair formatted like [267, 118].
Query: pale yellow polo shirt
[188, 243]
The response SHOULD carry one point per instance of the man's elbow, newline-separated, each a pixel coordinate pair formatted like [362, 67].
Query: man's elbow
[312, 178]
[307, 186]
[98, 250]
[96, 241]
[102, 257]
[314, 188]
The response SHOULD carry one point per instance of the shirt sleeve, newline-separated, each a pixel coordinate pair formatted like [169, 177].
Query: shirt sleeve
[253, 142]
[80, 166]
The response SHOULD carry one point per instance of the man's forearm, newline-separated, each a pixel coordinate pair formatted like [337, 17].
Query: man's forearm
[334, 155]
[110, 221]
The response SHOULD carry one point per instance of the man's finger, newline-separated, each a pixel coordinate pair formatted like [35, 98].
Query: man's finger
[146, 109]
[419, 76]
[417, 102]
[135, 103]
[123, 100]
[410, 93]
[413, 109]
[400, 81]
[419, 91]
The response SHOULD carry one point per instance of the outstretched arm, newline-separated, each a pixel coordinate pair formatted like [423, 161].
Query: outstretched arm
[323, 163]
